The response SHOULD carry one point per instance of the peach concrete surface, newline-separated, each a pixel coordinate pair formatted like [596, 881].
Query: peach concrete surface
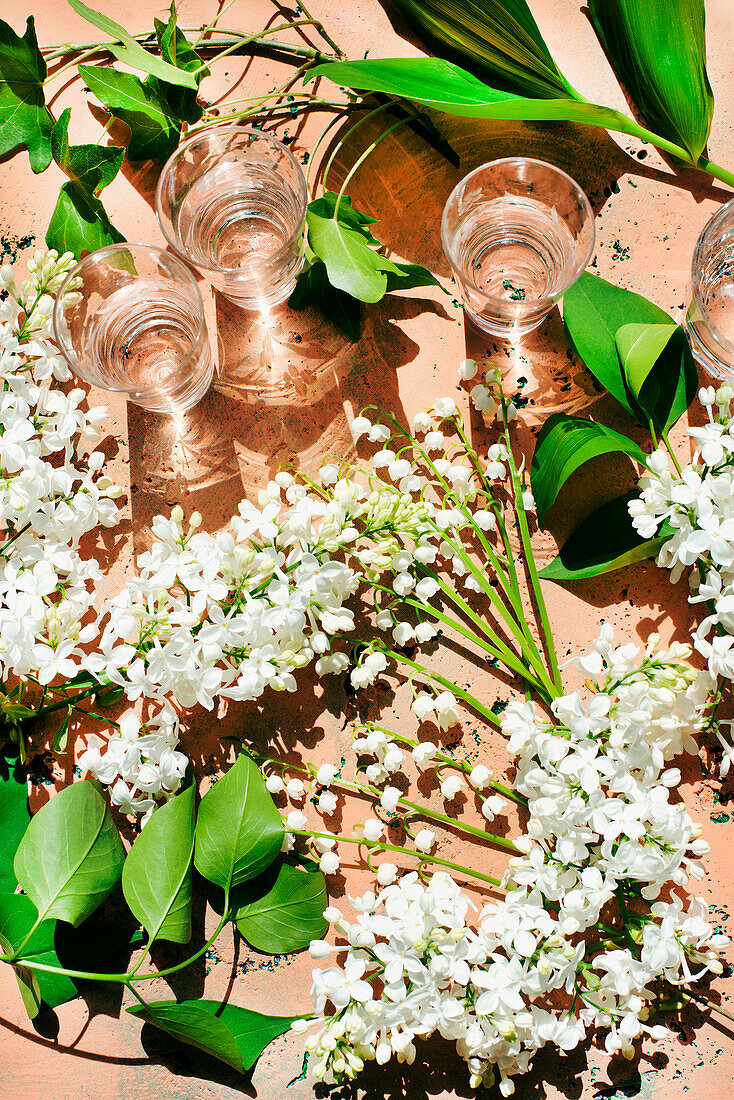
[286, 390]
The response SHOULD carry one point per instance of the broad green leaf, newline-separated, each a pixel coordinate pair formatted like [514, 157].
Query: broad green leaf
[411, 276]
[177, 50]
[314, 289]
[283, 910]
[25, 120]
[157, 876]
[325, 206]
[659, 370]
[154, 127]
[593, 312]
[497, 39]
[239, 832]
[14, 818]
[436, 83]
[565, 443]
[234, 1035]
[71, 855]
[79, 222]
[605, 541]
[126, 49]
[658, 51]
[351, 264]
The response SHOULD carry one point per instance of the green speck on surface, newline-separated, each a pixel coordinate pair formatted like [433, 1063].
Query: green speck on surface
[615, 188]
[720, 818]
[519, 401]
[499, 706]
[620, 252]
[11, 246]
[522, 381]
[517, 294]
[632, 183]
[302, 1074]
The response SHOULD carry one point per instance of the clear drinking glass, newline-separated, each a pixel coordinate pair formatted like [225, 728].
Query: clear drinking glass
[517, 233]
[709, 323]
[232, 201]
[138, 327]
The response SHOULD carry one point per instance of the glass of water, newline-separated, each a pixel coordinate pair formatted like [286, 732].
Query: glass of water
[232, 201]
[138, 327]
[709, 322]
[517, 233]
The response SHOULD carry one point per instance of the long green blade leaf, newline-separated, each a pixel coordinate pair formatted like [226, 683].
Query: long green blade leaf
[14, 818]
[498, 40]
[71, 855]
[658, 51]
[566, 443]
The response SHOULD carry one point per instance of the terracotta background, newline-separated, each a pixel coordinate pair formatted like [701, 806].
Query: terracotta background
[647, 221]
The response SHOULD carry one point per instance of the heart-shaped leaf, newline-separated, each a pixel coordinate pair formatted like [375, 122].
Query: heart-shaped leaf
[659, 370]
[314, 289]
[351, 264]
[125, 48]
[565, 443]
[157, 876]
[593, 311]
[71, 855]
[25, 120]
[155, 129]
[239, 831]
[14, 818]
[605, 541]
[283, 910]
[499, 40]
[177, 50]
[325, 207]
[658, 51]
[236, 1036]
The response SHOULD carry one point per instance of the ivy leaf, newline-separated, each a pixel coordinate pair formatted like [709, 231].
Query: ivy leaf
[239, 832]
[593, 312]
[14, 816]
[126, 49]
[659, 370]
[605, 541]
[79, 221]
[236, 1036]
[658, 52]
[565, 443]
[157, 876]
[283, 910]
[352, 265]
[177, 50]
[71, 855]
[25, 120]
[325, 205]
[154, 126]
[314, 289]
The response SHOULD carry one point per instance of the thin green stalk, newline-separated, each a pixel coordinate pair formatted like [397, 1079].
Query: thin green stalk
[360, 161]
[436, 815]
[360, 121]
[148, 42]
[671, 452]
[323, 32]
[14, 955]
[233, 46]
[716, 171]
[449, 685]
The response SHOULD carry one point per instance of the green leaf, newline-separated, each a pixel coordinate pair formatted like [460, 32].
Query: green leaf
[71, 855]
[239, 832]
[593, 312]
[283, 910]
[112, 696]
[351, 264]
[605, 541]
[14, 818]
[25, 120]
[79, 222]
[497, 39]
[436, 83]
[314, 289]
[60, 737]
[659, 369]
[411, 276]
[565, 443]
[157, 876]
[154, 126]
[658, 51]
[126, 49]
[325, 205]
[236, 1036]
[177, 50]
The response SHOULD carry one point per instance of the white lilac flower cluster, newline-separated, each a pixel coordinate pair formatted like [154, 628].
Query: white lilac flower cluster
[589, 932]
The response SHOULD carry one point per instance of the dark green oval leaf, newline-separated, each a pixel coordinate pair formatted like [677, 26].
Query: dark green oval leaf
[565, 443]
[25, 120]
[239, 831]
[658, 51]
[639, 347]
[605, 541]
[154, 127]
[157, 876]
[314, 289]
[659, 370]
[234, 1035]
[283, 910]
[14, 818]
[71, 855]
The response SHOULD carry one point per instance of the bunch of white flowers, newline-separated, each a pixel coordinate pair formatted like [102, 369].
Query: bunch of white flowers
[581, 940]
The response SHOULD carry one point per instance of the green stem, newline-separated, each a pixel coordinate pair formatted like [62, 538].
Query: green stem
[725, 176]
[360, 161]
[233, 46]
[449, 685]
[350, 131]
[149, 43]
[671, 452]
[14, 956]
[436, 815]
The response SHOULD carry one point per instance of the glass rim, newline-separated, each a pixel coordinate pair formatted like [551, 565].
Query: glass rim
[170, 166]
[714, 221]
[107, 250]
[578, 267]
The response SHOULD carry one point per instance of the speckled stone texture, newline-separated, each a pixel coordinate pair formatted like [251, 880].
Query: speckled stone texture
[286, 390]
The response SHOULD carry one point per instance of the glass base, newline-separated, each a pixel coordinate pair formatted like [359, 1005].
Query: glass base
[163, 403]
[509, 330]
[707, 353]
